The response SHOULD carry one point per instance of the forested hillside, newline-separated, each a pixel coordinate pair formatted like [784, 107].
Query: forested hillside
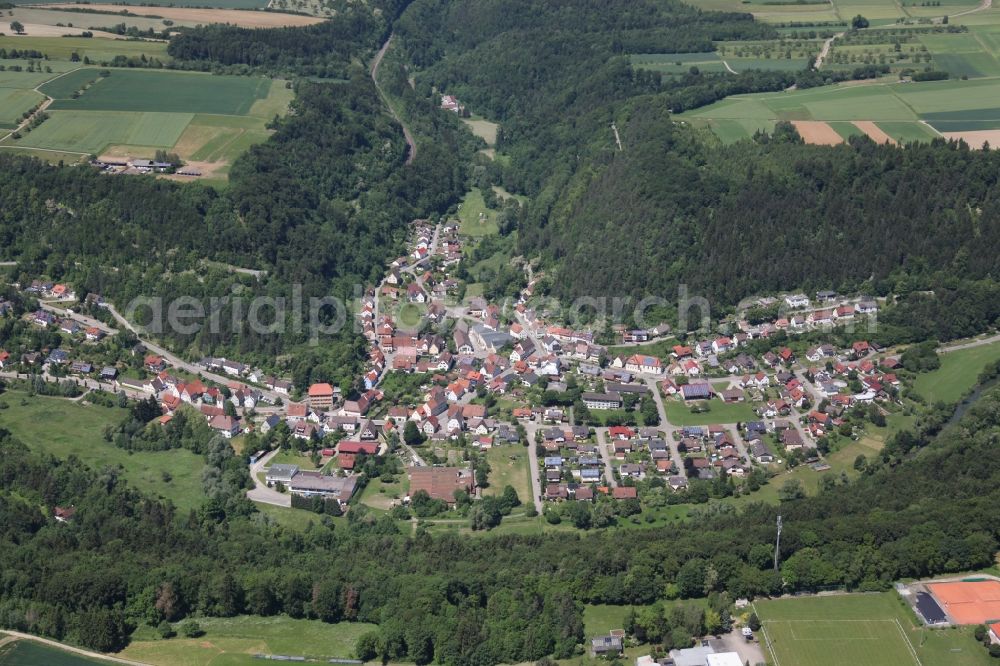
[672, 207]
[126, 560]
[769, 215]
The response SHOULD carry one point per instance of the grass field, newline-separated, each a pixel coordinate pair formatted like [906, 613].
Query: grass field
[30, 653]
[679, 413]
[63, 428]
[98, 50]
[661, 348]
[958, 373]
[507, 472]
[861, 630]
[599, 619]
[484, 129]
[82, 20]
[380, 495]
[234, 641]
[476, 220]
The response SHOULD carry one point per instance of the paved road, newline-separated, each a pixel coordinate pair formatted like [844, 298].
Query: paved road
[814, 393]
[178, 362]
[75, 650]
[602, 446]
[665, 426]
[374, 72]
[738, 441]
[969, 345]
[260, 492]
[536, 484]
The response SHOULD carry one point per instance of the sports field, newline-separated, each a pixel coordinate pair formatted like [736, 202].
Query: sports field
[969, 602]
[679, 413]
[860, 630]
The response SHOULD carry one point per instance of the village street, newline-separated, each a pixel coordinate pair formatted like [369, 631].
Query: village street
[666, 426]
[536, 485]
[602, 446]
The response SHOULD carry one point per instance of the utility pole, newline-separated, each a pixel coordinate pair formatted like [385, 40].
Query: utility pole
[777, 546]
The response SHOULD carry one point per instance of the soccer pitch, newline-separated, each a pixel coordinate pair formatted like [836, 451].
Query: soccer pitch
[829, 642]
[861, 630]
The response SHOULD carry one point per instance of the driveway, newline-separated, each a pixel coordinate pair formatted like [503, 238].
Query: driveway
[260, 492]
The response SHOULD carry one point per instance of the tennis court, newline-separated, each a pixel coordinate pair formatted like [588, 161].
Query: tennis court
[969, 602]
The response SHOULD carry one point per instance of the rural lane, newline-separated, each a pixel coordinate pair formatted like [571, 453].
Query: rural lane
[385, 99]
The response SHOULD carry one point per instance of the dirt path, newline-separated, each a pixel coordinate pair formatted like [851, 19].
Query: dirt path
[825, 51]
[618, 139]
[62, 646]
[728, 68]
[984, 5]
[374, 72]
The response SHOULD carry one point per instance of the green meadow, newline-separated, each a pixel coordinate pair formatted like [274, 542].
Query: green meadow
[958, 373]
[679, 413]
[67, 428]
[476, 220]
[235, 641]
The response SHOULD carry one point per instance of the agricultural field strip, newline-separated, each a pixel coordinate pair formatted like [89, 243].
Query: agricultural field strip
[49, 99]
[762, 100]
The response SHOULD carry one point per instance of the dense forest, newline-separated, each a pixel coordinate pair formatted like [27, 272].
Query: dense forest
[125, 560]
